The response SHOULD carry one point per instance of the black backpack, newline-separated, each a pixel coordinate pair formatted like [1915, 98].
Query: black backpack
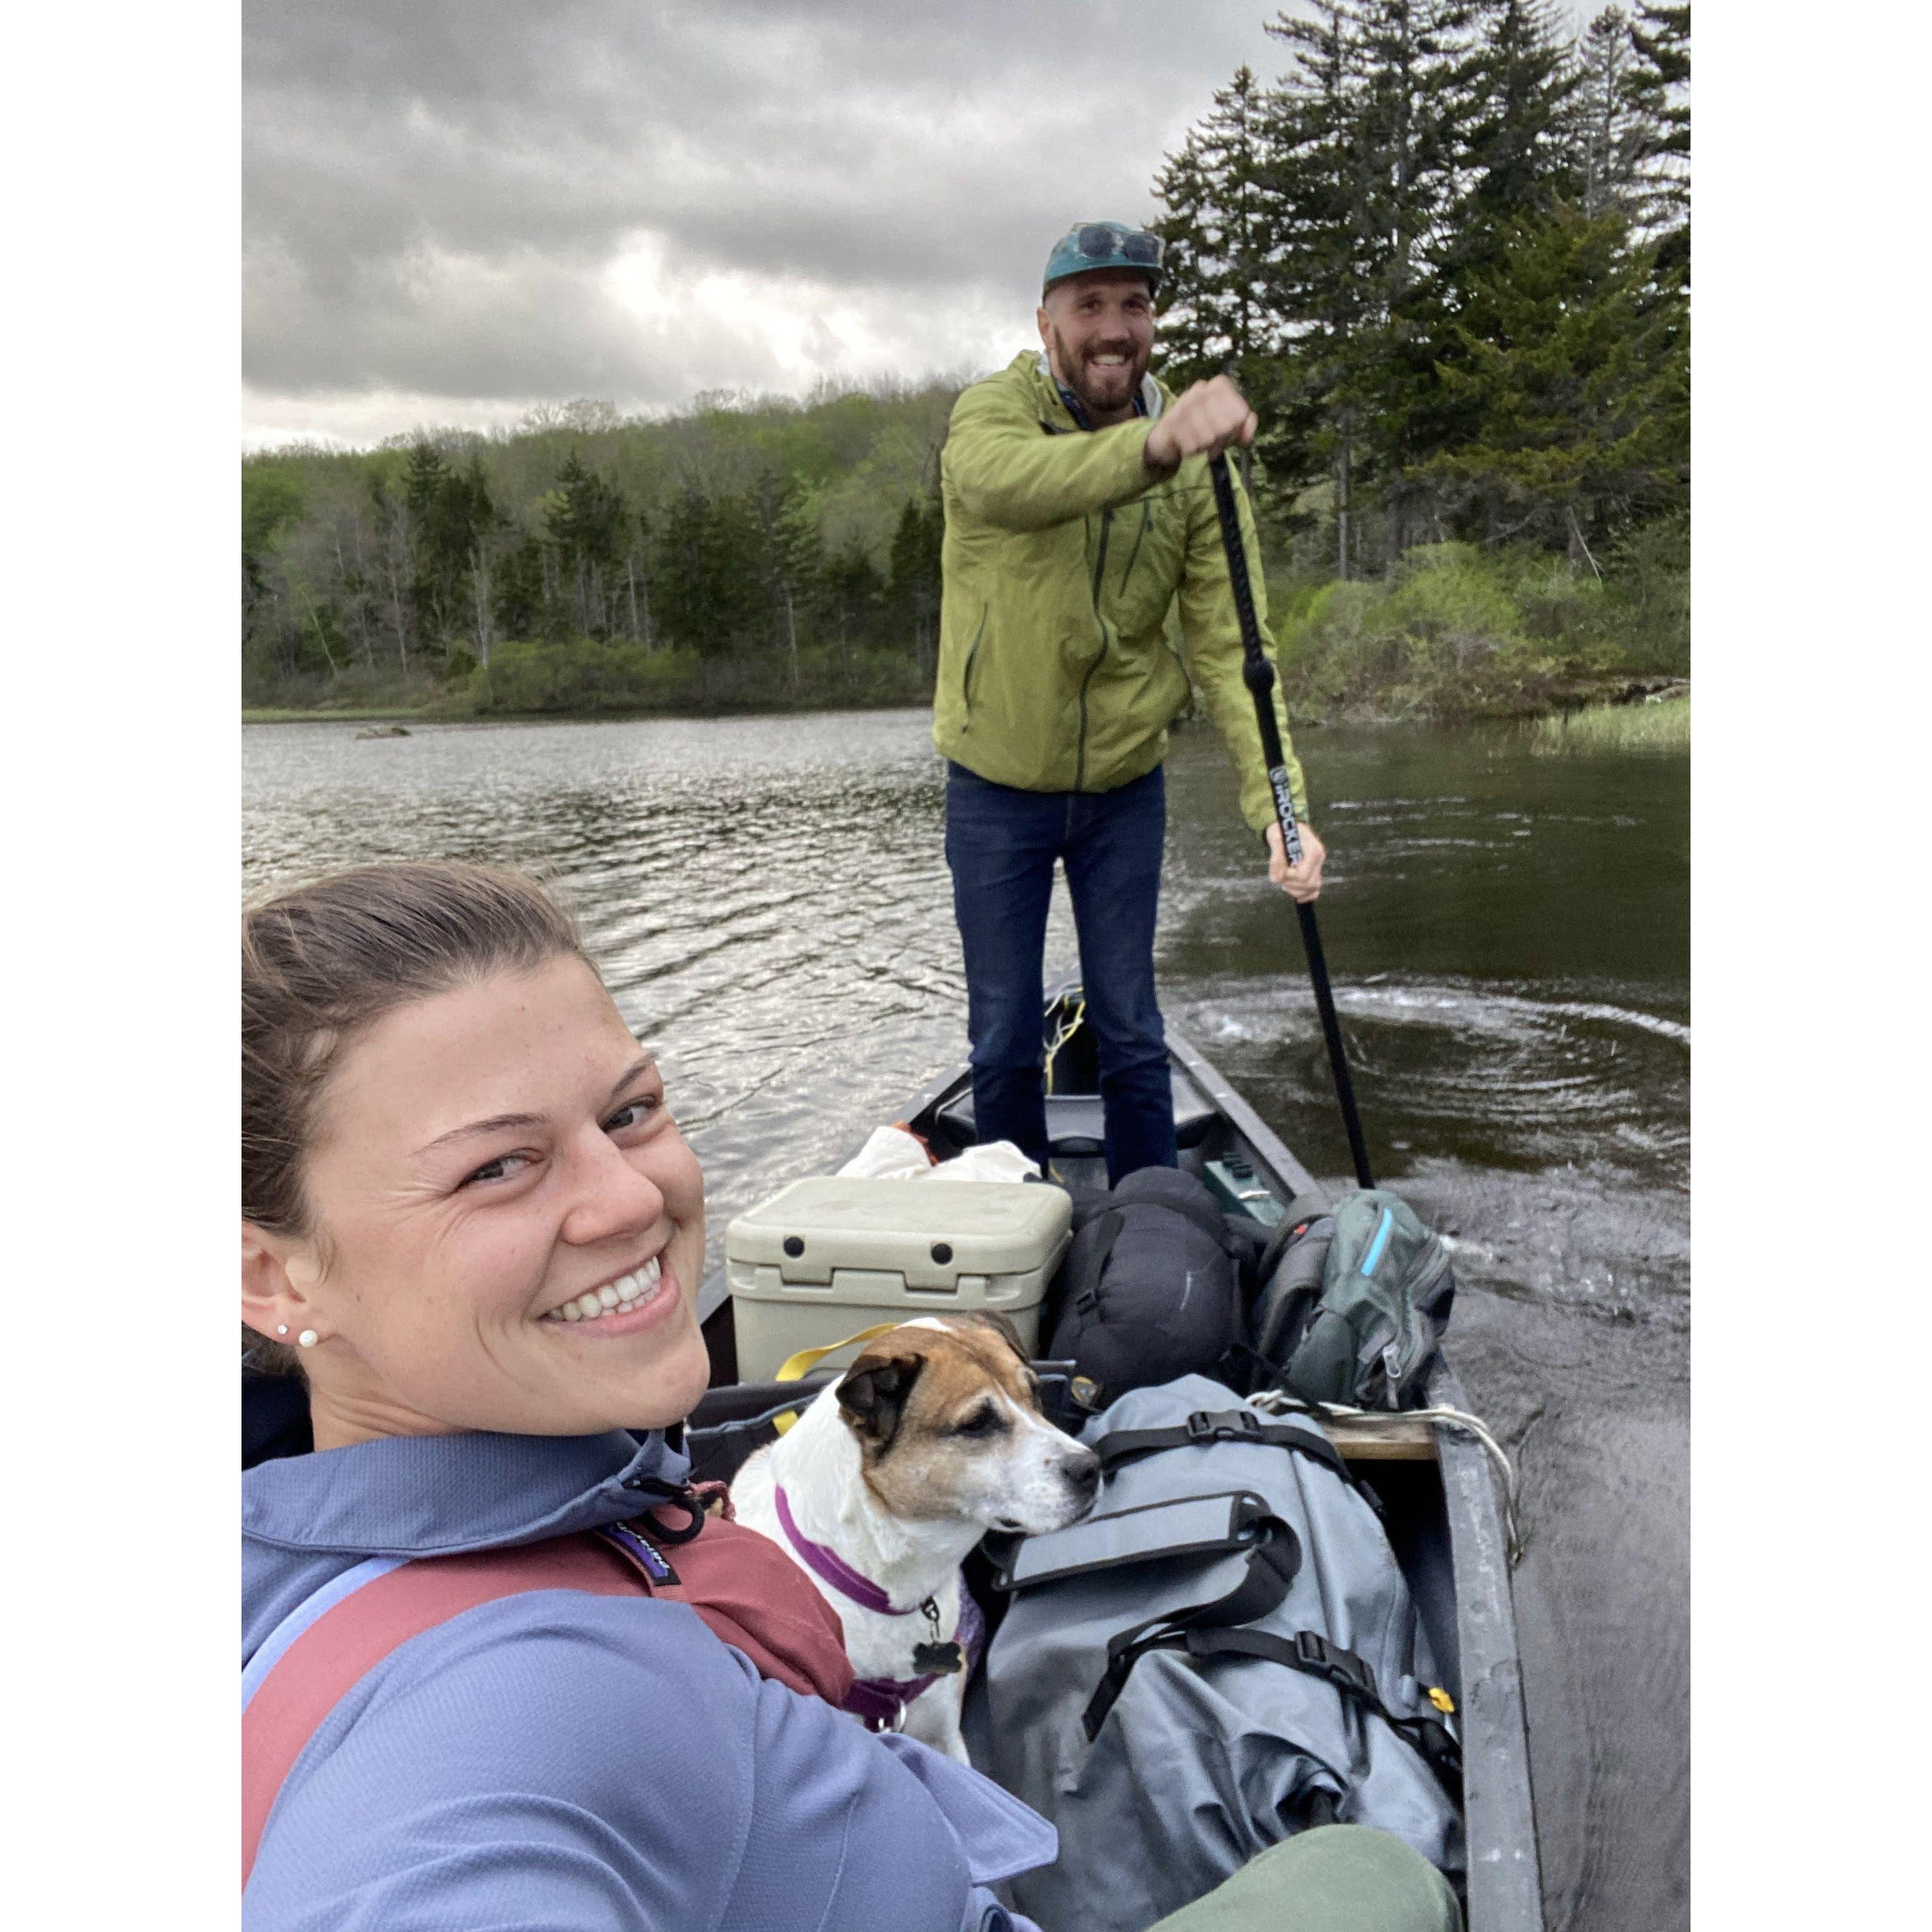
[1153, 1284]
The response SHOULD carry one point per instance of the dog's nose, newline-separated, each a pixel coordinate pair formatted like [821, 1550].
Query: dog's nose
[1083, 1475]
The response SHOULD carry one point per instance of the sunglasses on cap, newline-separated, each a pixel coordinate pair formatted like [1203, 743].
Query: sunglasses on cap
[1101, 241]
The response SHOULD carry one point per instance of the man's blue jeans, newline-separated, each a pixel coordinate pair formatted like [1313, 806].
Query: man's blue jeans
[1001, 844]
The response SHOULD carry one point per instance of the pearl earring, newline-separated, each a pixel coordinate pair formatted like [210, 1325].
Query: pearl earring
[307, 1338]
[281, 1328]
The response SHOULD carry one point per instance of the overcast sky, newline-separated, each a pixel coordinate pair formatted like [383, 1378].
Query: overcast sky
[454, 211]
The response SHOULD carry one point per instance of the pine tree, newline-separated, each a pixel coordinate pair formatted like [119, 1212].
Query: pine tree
[709, 596]
[425, 480]
[520, 606]
[1608, 136]
[1657, 89]
[1412, 193]
[798, 562]
[1517, 84]
[912, 584]
[453, 523]
[588, 522]
[1318, 277]
[1517, 163]
[1216, 317]
[1365, 155]
[854, 592]
[686, 598]
[1577, 391]
[1412, 57]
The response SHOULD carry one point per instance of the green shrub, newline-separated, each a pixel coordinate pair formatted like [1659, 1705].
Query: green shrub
[577, 675]
[1556, 604]
[1648, 596]
[1457, 630]
[1449, 603]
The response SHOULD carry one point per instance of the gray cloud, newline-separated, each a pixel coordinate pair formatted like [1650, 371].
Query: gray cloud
[452, 210]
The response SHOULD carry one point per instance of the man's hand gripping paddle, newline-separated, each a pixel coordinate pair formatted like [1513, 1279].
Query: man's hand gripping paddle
[1258, 674]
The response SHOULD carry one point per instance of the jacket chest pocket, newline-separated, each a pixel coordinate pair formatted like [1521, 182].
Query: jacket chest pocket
[1143, 567]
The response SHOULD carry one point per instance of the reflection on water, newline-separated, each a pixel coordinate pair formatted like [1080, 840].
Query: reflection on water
[1509, 937]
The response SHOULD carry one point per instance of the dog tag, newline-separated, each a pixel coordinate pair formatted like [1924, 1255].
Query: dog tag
[940, 1660]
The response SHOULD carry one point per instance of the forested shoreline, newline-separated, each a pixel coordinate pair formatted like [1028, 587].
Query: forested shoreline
[1447, 253]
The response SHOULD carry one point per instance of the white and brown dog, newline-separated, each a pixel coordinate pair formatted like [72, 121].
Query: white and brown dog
[933, 1437]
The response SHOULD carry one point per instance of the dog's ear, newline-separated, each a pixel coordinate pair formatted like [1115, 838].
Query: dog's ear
[874, 1394]
[987, 1318]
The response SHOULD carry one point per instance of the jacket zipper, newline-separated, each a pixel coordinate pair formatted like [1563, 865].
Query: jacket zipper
[966, 676]
[1147, 517]
[1099, 573]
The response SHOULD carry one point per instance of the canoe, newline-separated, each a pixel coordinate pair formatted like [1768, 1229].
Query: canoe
[1438, 1482]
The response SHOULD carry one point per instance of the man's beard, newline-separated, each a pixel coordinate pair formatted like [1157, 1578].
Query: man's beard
[1077, 376]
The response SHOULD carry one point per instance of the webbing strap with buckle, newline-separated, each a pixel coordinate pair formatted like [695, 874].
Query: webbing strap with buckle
[1272, 1563]
[1312, 1654]
[1230, 1425]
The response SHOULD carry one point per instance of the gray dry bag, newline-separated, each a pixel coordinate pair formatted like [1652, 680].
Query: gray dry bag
[1222, 1654]
[1352, 1302]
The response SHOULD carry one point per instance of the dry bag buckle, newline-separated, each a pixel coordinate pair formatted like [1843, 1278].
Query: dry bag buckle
[1331, 1661]
[1236, 1425]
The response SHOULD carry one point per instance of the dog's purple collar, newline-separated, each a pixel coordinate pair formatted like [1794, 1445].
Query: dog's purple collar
[829, 1565]
[879, 1702]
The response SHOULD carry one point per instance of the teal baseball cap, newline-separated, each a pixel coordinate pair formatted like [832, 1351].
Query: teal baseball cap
[1104, 244]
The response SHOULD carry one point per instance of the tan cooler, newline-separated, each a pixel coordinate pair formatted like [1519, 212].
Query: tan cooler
[835, 1254]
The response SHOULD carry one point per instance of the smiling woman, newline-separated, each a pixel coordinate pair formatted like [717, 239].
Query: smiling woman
[462, 1188]
[483, 1683]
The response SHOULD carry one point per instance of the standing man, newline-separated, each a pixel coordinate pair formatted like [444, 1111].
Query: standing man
[1080, 526]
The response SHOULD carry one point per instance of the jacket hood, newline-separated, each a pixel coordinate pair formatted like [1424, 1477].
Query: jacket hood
[1154, 396]
[307, 1518]
[432, 1495]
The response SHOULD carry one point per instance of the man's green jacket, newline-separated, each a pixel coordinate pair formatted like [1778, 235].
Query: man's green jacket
[1059, 670]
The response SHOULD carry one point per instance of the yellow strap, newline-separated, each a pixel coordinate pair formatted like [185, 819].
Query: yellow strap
[793, 1366]
[1068, 1028]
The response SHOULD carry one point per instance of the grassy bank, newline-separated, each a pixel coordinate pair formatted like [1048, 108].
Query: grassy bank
[328, 714]
[591, 677]
[1457, 631]
[1661, 726]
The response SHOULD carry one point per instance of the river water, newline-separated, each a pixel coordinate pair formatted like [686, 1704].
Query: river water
[1509, 937]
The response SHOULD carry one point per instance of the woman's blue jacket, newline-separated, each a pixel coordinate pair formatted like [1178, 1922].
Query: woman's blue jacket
[557, 1760]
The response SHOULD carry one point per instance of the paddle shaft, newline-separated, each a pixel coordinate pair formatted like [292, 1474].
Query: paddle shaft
[1258, 674]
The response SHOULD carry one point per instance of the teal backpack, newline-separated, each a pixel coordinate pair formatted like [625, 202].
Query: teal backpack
[1352, 1302]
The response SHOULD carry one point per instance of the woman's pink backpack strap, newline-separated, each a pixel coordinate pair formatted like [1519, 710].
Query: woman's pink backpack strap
[745, 1587]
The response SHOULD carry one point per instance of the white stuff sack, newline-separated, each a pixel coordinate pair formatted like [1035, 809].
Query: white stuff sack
[893, 1154]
